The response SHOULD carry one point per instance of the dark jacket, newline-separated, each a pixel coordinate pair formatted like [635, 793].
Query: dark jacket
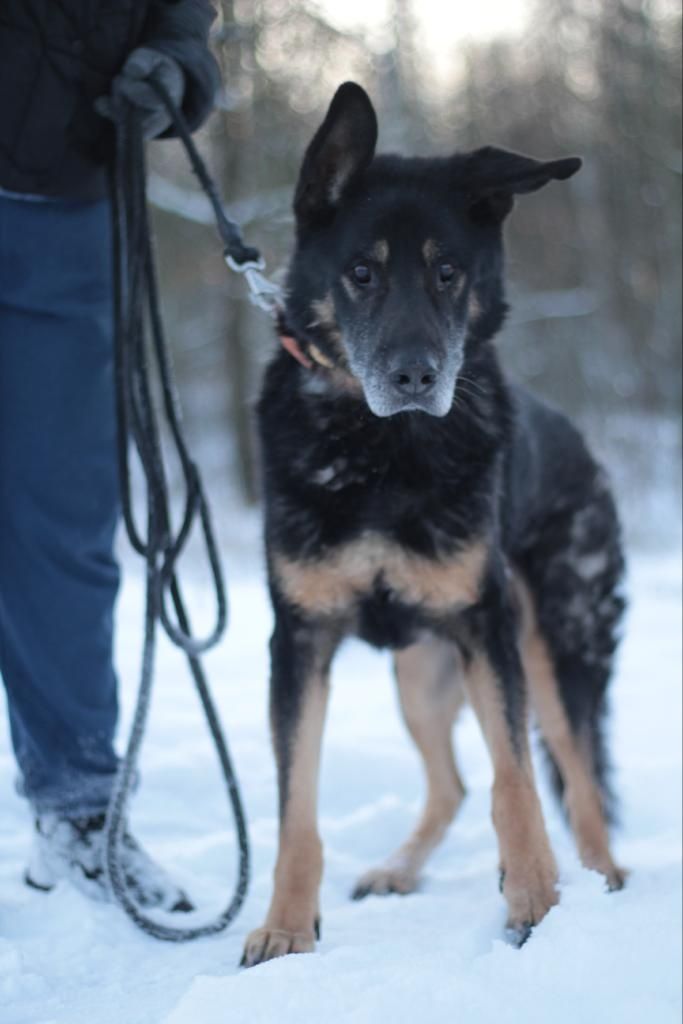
[58, 56]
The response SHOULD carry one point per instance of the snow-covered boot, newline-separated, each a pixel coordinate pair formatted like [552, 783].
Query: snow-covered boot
[73, 849]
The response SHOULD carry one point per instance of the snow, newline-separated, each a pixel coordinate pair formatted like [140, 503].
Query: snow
[436, 956]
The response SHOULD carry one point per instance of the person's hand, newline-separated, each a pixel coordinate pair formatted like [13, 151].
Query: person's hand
[132, 85]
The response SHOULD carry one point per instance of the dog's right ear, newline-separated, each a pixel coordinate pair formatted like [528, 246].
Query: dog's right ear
[341, 150]
[495, 176]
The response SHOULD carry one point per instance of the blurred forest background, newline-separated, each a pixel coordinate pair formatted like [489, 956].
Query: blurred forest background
[594, 264]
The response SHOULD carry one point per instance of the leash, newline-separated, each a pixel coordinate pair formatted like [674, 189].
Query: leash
[136, 314]
[242, 259]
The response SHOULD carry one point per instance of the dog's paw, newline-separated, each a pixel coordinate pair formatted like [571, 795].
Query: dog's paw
[518, 934]
[267, 943]
[616, 878]
[384, 880]
[529, 897]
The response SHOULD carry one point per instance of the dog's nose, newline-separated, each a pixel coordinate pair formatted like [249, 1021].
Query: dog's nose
[415, 377]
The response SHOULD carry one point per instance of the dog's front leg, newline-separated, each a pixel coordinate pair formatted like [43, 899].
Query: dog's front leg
[300, 658]
[496, 689]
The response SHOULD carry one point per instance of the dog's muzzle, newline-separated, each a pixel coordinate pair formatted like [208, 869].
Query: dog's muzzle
[411, 378]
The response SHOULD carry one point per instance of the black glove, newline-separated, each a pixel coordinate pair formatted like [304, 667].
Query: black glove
[131, 85]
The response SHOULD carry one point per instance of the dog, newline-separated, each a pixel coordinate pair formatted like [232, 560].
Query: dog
[417, 499]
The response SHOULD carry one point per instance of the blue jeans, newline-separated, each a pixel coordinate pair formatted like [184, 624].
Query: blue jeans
[59, 499]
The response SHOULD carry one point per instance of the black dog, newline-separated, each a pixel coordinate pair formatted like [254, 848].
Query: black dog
[415, 498]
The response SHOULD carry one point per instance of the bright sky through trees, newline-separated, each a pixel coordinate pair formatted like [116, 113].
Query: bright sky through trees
[442, 25]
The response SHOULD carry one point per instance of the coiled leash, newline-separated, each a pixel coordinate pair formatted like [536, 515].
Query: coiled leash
[137, 315]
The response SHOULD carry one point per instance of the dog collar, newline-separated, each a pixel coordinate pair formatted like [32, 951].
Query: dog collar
[314, 353]
[294, 349]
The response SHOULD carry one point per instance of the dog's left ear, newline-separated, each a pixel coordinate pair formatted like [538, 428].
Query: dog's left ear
[492, 177]
[341, 150]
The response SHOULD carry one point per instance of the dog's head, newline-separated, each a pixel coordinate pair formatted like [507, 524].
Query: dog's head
[398, 262]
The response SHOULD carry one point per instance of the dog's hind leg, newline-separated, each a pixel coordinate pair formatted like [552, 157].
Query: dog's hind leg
[572, 593]
[431, 695]
[299, 695]
[572, 758]
[571, 750]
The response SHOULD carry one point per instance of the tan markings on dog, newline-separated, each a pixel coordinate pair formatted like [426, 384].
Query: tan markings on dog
[320, 357]
[323, 311]
[430, 251]
[290, 923]
[474, 309]
[333, 583]
[380, 251]
[431, 695]
[582, 797]
[324, 316]
[526, 860]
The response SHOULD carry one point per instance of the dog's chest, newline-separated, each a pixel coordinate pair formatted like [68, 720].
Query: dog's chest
[369, 528]
[379, 587]
[378, 485]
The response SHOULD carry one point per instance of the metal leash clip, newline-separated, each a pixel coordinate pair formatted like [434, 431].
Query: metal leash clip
[262, 292]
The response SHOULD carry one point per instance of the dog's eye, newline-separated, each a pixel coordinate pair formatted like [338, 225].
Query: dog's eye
[362, 274]
[446, 273]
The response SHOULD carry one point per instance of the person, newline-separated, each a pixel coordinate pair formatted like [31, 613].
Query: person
[63, 68]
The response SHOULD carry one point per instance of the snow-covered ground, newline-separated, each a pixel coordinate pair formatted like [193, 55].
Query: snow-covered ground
[437, 956]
